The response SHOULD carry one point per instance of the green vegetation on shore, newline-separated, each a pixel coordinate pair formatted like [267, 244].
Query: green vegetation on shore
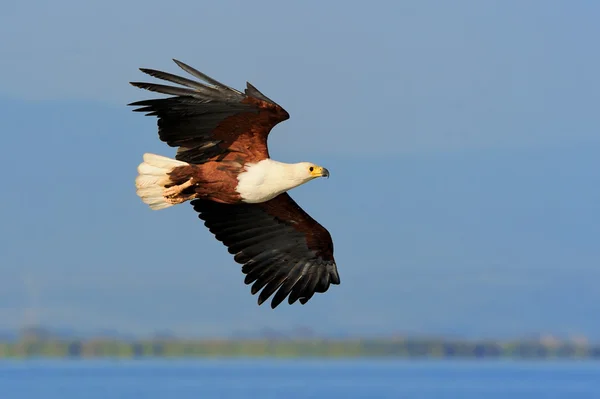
[329, 348]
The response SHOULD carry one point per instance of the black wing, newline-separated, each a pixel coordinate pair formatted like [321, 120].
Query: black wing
[205, 119]
[279, 245]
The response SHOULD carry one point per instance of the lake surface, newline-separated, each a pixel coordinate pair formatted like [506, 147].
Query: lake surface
[264, 378]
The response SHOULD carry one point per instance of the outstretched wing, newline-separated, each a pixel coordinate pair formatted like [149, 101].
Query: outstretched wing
[207, 120]
[279, 245]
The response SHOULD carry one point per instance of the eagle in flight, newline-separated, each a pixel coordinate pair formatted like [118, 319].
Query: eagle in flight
[223, 167]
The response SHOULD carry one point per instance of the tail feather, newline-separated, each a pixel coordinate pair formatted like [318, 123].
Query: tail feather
[153, 176]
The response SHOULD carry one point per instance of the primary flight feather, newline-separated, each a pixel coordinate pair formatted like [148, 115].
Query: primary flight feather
[223, 167]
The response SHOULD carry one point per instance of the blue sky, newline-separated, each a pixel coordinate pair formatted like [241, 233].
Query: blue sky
[462, 140]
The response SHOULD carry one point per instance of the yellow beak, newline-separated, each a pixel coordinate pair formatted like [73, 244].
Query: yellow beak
[319, 172]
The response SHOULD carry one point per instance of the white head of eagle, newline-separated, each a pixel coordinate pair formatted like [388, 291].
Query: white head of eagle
[267, 179]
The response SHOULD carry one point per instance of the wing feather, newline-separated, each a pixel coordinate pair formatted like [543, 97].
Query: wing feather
[194, 72]
[283, 251]
[206, 119]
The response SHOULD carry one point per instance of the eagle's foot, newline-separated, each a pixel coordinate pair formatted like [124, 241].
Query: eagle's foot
[173, 194]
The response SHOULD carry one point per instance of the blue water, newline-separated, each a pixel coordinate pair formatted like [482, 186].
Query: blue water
[182, 379]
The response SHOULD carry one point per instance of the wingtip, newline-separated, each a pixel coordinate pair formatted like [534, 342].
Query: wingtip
[334, 278]
[272, 305]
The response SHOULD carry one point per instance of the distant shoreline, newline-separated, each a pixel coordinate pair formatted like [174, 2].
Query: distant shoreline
[33, 347]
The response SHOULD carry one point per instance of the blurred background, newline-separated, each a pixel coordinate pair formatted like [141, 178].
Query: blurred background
[462, 140]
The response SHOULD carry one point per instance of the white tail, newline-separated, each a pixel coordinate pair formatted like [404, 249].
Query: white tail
[152, 178]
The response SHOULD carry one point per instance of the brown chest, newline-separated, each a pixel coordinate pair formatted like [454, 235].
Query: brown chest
[217, 181]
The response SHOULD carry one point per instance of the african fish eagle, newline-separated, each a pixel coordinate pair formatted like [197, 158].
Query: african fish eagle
[222, 165]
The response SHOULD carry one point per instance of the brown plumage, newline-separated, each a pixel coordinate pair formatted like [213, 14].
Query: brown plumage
[211, 122]
[223, 167]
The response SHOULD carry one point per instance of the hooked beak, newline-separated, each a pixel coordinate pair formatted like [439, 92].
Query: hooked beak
[318, 171]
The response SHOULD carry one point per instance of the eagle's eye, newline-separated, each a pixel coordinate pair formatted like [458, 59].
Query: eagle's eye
[311, 168]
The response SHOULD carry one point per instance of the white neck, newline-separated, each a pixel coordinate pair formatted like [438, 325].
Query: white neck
[267, 179]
